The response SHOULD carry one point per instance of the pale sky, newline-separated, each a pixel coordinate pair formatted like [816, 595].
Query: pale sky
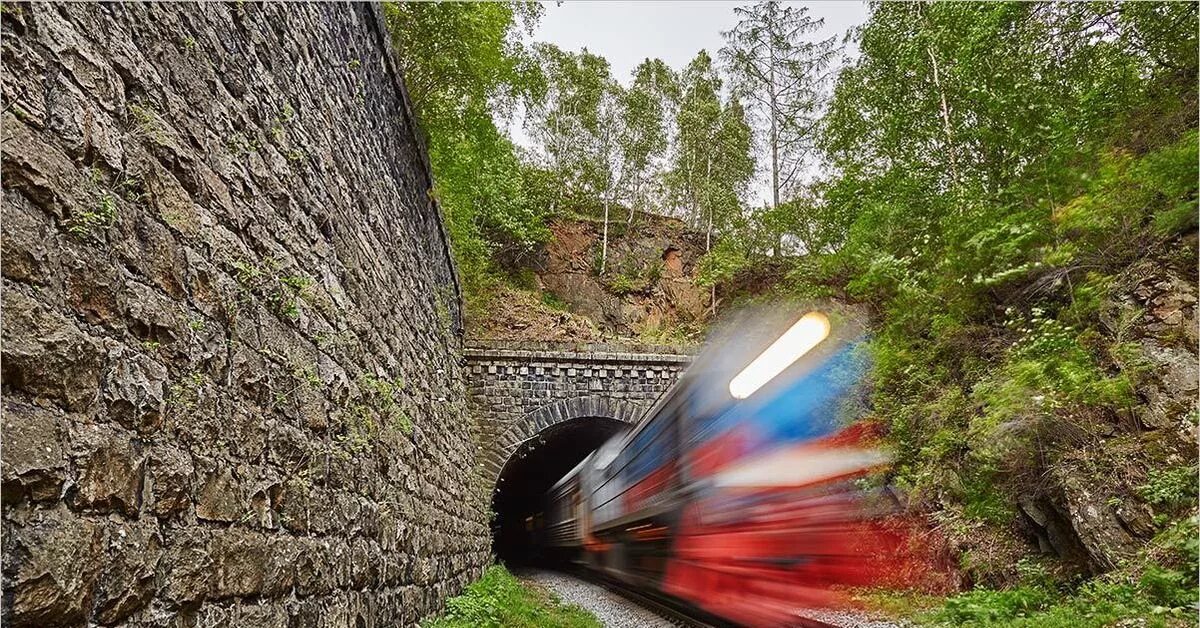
[626, 32]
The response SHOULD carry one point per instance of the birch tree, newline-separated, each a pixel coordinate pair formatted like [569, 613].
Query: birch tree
[713, 160]
[781, 73]
[696, 126]
[645, 111]
[566, 121]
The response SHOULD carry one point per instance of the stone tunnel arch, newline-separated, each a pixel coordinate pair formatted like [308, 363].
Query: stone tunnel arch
[564, 433]
[540, 407]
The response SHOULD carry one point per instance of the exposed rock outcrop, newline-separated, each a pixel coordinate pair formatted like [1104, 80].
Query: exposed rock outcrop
[648, 289]
[1095, 490]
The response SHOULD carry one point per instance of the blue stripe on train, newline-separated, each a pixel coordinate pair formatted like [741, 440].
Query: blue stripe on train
[808, 408]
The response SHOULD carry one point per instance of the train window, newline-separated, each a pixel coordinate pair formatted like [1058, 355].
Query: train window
[654, 447]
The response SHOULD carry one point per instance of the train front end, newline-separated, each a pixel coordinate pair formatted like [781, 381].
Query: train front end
[777, 466]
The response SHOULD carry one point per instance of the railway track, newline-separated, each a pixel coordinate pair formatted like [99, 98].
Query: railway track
[676, 612]
[673, 611]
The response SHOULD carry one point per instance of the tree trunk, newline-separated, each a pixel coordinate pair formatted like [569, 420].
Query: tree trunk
[712, 299]
[712, 294]
[637, 190]
[937, 82]
[945, 108]
[604, 242]
[774, 154]
[608, 189]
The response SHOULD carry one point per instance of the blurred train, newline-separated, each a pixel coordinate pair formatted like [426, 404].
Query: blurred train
[743, 493]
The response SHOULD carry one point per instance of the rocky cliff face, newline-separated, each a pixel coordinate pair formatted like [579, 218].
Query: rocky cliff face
[648, 289]
[648, 281]
[232, 391]
[1097, 490]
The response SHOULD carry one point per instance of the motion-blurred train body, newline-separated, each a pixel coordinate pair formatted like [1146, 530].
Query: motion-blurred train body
[740, 493]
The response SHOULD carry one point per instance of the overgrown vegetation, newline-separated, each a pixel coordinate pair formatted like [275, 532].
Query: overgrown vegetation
[1157, 589]
[376, 409]
[998, 179]
[669, 139]
[464, 66]
[499, 599]
[1152, 593]
[988, 214]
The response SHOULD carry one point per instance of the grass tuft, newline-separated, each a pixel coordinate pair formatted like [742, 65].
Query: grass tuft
[499, 599]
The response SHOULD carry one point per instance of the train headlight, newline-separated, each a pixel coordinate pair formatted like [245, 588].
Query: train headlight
[799, 339]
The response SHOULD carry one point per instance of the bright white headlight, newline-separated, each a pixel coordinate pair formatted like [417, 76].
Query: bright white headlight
[809, 331]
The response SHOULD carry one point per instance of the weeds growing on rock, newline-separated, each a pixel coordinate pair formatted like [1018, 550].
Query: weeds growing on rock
[102, 216]
[281, 293]
[240, 145]
[377, 409]
[185, 393]
[147, 124]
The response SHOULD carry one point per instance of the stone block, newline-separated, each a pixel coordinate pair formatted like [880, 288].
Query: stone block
[220, 496]
[171, 472]
[112, 471]
[135, 390]
[52, 563]
[45, 355]
[239, 562]
[127, 582]
[34, 460]
[27, 244]
[189, 568]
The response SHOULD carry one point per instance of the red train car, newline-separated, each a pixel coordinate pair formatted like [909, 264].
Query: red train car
[737, 493]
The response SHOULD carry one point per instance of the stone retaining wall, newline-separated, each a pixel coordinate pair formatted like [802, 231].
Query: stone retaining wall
[231, 346]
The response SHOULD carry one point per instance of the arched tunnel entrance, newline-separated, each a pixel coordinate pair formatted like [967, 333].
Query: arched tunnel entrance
[531, 470]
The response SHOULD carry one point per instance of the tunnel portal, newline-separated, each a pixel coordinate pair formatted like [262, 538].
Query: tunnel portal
[536, 465]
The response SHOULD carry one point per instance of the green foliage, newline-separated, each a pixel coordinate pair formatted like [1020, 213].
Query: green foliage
[377, 408]
[461, 62]
[629, 276]
[721, 264]
[1127, 192]
[577, 124]
[964, 182]
[281, 293]
[1171, 487]
[780, 70]
[713, 159]
[185, 394]
[554, 302]
[147, 124]
[645, 107]
[995, 170]
[1162, 595]
[499, 599]
[1161, 598]
[90, 221]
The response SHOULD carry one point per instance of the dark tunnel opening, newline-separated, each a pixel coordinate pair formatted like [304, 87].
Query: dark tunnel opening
[531, 470]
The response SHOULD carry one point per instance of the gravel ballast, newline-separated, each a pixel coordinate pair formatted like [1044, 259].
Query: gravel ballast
[615, 611]
[611, 609]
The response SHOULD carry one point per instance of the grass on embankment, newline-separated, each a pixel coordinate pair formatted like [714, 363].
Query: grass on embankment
[1157, 591]
[499, 599]
[1097, 604]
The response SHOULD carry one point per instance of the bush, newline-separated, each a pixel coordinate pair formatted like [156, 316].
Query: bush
[1096, 604]
[499, 599]
[1165, 594]
[554, 302]
[1170, 487]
